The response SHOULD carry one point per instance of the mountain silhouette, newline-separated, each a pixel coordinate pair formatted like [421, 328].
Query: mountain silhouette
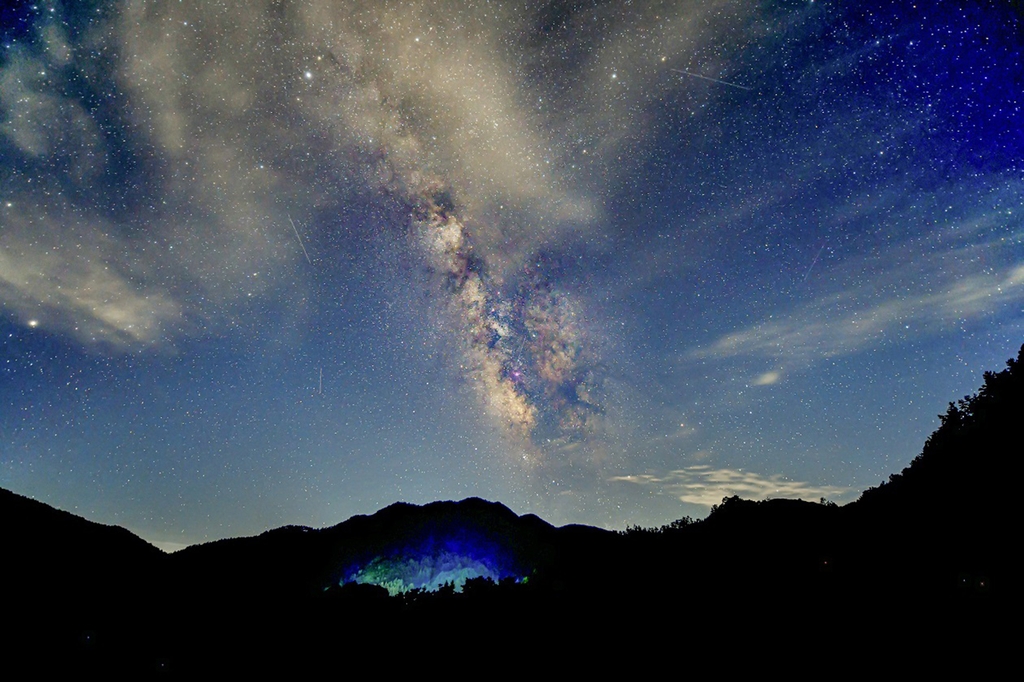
[294, 560]
[922, 560]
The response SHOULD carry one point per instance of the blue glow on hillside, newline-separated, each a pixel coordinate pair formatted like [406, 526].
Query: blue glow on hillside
[433, 564]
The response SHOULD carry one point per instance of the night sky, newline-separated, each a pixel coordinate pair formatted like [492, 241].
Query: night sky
[608, 262]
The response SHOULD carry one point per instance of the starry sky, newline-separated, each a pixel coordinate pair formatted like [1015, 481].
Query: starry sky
[288, 261]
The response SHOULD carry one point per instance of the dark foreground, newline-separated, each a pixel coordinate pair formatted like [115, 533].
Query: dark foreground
[917, 573]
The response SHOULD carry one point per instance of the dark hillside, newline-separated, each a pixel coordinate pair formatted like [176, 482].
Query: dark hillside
[951, 515]
[66, 580]
[47, 546]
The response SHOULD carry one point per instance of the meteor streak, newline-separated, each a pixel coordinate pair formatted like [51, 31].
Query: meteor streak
[296, 231]
[808, 274]
[709, 78]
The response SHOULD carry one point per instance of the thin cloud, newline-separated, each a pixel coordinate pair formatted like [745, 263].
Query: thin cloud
[768, 378]
[80, 287]
[911, 290]
[811, 333]
[706, 486]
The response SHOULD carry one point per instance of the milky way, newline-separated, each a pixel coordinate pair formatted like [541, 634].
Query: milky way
[524, 348]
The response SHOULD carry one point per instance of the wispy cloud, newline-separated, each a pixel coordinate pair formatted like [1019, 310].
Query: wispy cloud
[813, 333]
[768, 378]
[75, 280]
[910, 290]
[707, 486]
